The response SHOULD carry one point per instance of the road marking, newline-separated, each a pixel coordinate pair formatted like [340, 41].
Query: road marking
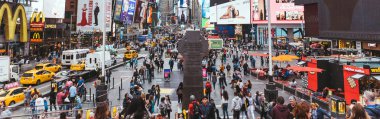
[167, 91]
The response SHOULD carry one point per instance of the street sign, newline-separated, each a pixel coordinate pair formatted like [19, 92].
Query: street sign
[215, 43]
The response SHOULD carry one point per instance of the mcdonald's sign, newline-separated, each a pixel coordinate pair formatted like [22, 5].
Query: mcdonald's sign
[11, 16]
[37, 21]
[36, 37]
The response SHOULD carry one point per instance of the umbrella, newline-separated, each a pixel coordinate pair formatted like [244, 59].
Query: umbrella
[282, 59]
[289, 56]
[304, 69]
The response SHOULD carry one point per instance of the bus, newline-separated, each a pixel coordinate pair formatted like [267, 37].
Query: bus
[70, 57]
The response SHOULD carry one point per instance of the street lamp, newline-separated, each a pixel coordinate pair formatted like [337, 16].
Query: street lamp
[270, 73]
[71, 25]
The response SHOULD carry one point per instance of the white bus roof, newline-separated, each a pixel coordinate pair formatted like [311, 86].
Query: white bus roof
[76, 50]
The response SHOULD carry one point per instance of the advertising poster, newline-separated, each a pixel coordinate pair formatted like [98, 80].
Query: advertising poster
[118, 9]
[182, 15]
[215, 43]
[54, 8]
[183, 3]
[137, 17]
[124, 11]
[282, 12]
[131, 11]
[91, 17]
[234, 12]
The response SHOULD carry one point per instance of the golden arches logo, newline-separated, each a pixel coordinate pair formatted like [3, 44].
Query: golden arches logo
[36, 35]
[11, 21]
[37, 17]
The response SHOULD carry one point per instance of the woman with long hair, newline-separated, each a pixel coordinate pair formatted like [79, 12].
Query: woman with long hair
[358, 112]
[102, 111]
[302, 111]
[225, 104]
[179, 92]
[157, 95]
[137, 110]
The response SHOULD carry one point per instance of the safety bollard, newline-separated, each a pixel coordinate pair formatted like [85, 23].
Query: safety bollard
[90, 94]
[113, 82]
[93, 98]
[119, 93]
[121, 83]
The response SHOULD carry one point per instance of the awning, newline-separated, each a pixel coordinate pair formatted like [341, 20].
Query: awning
[357, 76]
[377, 77]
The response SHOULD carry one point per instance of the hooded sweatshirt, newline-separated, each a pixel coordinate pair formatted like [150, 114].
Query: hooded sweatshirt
[280, 112]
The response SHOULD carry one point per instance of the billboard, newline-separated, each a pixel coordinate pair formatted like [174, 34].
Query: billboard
[212, 12]
[137, 17]
[182, 15]
[90, 16]
[118, 10]
[124, 10]
[282, 12]
[54, 8]
[130, 12]
[205, 13]
[234, 12]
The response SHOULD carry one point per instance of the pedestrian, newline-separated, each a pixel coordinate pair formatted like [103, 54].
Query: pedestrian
[81, 86]
[317, 112]
[236, 105]
[372, 108]
[163, 108]
[213, 110]
[39, 104]
[250, 106]
[228, 67]
[151, 104]
[157, 94]
[302, 111]
[225, 104]
[60, 98]
[161, 64]
[280, 111]
[28, 96]
[126, 101]
[108, 75]
[102, 111]
[171, 64]
[359, 112]
[72, 94]
[52, 100]
[244, 107]
[194, 108]
[263, 107]
[205, 109]
[292, 104]
[214, 79]
[253, 62]
[262, 61]
[245, 68]
[168, 104]
[179, 92]
[208, 89]
[222, 79]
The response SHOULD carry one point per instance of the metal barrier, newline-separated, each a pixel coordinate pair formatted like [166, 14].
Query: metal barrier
[38, 114]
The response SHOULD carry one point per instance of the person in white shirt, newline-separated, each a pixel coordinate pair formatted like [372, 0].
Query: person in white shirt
[236, 106]
[39, 104]
[225, 104]
[251, 106]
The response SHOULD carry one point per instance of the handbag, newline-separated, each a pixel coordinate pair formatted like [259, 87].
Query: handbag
[66, 99]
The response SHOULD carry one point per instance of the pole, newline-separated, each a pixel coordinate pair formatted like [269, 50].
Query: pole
[104, 43]
[71, 25]
[269, 42]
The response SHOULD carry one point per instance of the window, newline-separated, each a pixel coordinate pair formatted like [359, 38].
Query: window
[27, 75]
[64, 57]
[39, 73]
[95, 60]
[15, 69]
[90, 60]
[77, 56]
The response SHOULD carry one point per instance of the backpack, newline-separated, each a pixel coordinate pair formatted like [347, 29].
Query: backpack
[208, 87]
[163, 109]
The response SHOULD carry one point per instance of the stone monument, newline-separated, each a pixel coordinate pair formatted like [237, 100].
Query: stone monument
[193, 47]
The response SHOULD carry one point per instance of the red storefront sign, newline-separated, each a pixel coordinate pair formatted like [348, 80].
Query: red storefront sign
[351, 90]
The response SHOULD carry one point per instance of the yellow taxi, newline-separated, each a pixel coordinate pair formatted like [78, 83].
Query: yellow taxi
[48, 66]
[129, 54]
[78, 67]
[36, 77]
[13, 95]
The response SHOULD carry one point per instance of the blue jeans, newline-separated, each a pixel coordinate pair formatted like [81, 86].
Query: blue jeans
[225, 110]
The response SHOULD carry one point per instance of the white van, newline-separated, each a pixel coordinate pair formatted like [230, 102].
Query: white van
[70, 57]
[94, 60]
